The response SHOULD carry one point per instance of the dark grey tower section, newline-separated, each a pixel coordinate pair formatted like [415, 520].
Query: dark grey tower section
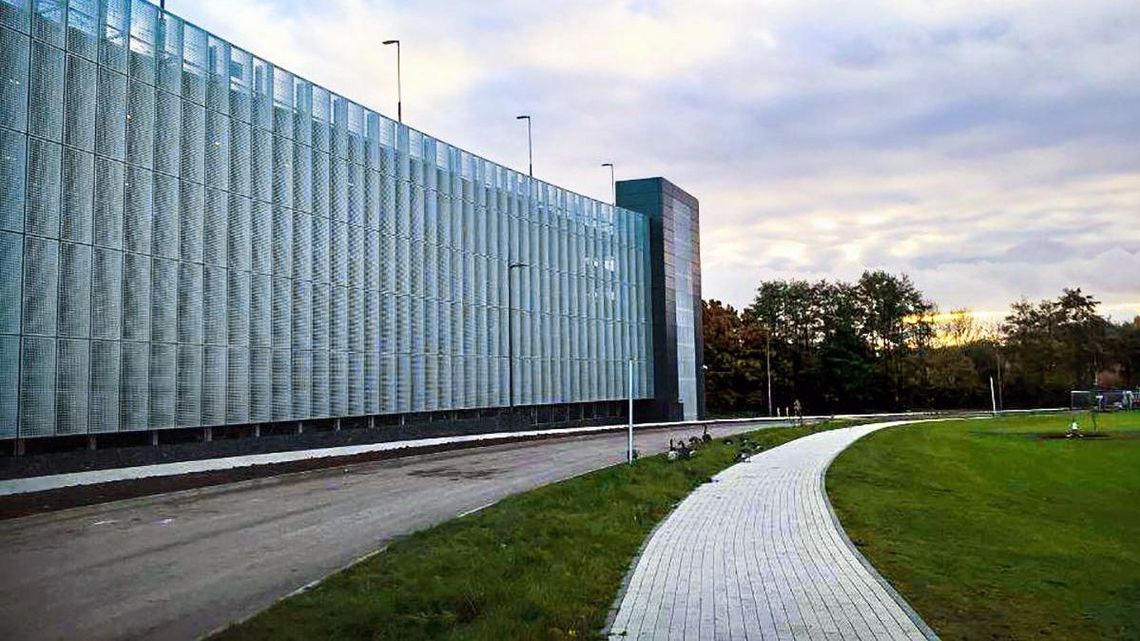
[675, 289]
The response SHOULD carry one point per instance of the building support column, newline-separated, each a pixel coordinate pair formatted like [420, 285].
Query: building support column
[91, 442]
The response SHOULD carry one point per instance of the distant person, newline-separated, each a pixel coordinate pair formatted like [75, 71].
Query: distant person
[798, 411]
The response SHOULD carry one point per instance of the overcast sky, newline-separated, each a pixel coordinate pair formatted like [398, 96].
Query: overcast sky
[991, 150]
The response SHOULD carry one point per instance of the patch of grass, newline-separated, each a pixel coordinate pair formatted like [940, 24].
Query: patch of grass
[992, 532]
[545, 564]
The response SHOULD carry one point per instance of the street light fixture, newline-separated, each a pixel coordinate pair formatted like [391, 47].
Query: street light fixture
[511, 333]
[399, 89]
[613, 183]
[529, 143]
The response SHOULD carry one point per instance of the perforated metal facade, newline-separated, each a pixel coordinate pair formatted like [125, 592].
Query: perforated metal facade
[191, 236]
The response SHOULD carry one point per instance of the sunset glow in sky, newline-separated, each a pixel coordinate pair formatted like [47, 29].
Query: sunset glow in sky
[990, 150]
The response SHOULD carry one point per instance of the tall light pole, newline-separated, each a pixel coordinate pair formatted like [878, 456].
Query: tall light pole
[511, 333]
[529, 143]
[399, 89]
[613, 183]
[768, 364]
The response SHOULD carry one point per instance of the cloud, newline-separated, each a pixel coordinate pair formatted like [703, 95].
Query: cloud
[991, 150]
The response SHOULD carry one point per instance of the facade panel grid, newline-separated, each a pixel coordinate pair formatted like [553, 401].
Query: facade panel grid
[193, 237]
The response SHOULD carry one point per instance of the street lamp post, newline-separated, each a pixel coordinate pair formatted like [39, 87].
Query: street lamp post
[529, 143]
[768, 363]
[613, 183]
[511, 333]
[399, 88]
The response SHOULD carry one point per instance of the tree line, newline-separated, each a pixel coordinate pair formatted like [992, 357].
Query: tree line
[879, 344]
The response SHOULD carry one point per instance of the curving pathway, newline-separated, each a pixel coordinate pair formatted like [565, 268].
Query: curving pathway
[758, 554]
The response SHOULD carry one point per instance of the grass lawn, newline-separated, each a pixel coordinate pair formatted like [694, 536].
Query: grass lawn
[546, 564]
[992, 532]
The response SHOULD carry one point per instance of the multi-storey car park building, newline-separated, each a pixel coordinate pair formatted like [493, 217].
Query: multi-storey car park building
[192, 237]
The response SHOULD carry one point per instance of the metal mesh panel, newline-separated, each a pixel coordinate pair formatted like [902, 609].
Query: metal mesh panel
[320, 395]
[9, 386]
[37, 386]
[79, 103]
[13, 160]
[216, 225]
[165, 230]
[190, 297]
[260, 310]
[14, 48]
[164, 300]
[302, 246]
[194, 64]
[46, 74]
[214, 306]
[238, 307]
[169, 77]
[144, 29]
[188, 405]
[136, 297]
[73, 364]
[138, 205]
[115, 34]
[167, 133]
[282, 384]
[11, 269]
[217, 155]
[103, 404]
[193, 141]
[302, 384]
[282, 244]
[260, 384]
[261, 233]
[47, 19]
[74, 290]
[134, 394]
[162, 384]
[41, 281]
[239, 158]
[302, 315]
[82, 28]
[106, 293]
[191, 205]
[140, 121]
[235, 385]
[110, 123]
[41, 214]
[282, 312]
[261, 164]
[238, 233]
[78, 196]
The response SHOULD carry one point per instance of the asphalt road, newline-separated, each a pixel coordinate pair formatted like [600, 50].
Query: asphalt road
[181, 565]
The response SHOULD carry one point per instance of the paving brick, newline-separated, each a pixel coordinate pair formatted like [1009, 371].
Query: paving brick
[757, 554]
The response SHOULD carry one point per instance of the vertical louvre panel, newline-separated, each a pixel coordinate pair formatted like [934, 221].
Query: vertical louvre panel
[37, 387]
[41, 284]
[138, 193]
[73, 360]
[260, 384]
[46, 75]
[214, 306]
[163, 369]
[165, 232]
[192, 208]
[103, 405]
[143, 37]
[14, 52]
[79, 103]
[218, 365]
[188, 406]
[237, 385]
[41, 213]
[13, 168]
[106, 293]
[48, 18]
[193, 144]
[11, 272]
[164, 301]
[110, 123]
[136, 298]
[167, 133]
[107, 229]
[140, 124]
[190, 296]
[77, 196]
[74, 290]
[215, 239]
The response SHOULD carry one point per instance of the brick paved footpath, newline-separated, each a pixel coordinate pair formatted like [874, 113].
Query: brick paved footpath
[758, 554]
